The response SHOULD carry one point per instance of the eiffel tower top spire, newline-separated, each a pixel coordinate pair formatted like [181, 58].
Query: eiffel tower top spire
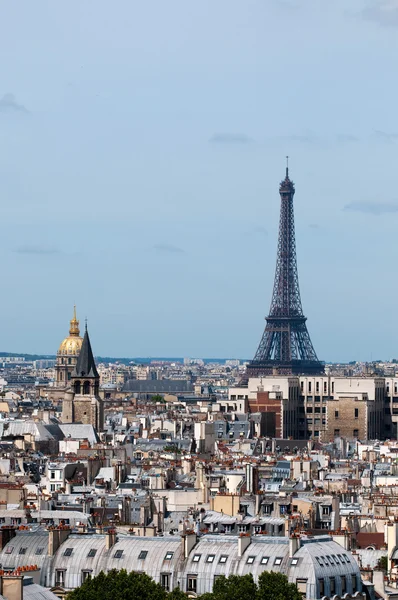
[285, 346]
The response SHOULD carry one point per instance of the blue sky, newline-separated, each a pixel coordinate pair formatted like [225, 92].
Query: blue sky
[141, 149]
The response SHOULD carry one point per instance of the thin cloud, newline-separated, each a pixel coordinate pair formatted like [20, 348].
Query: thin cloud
[301, 138]
[168, 249]
[230, 138]
[8, 103]
[385, 136]
[257, 231]
[372, 208]
[39, 249]
[383, 12]
[347, 138]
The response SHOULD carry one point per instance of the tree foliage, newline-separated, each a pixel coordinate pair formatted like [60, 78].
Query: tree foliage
[382, 563]
[271, 586]
[275, 586]
[121, 585]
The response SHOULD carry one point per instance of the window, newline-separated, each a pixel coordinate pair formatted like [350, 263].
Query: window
[356, 413]
[330, 559]
[22, 550]
[92, 552]
[336, 414]
[250, 560]
[309, 386]
[302, 586]
[264, 560]
[52, 474]
[68, 552]
[337, 432]
[278, 560]
[169, 555]
[346, 558]
[143, 554]
[86, 574]
[60, 577]
[223, 559]
[192, 583]
[325, 389]
[309, 409]
[321, 583]
[354, 583]
[332, 582]
[325, 560]
[355, 433]
[332, 387]
[343, 584]
[294, 562]
[118, 554]
[325, 510]
[165, 581]
[320, 562]
[9, 549]
[39, 551]
[196, 557]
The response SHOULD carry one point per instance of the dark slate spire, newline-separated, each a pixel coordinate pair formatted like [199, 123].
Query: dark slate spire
[85, 366]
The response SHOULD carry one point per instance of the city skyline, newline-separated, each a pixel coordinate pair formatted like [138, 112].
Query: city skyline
[139, 174]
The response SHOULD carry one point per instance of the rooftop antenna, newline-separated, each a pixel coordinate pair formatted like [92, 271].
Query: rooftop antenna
[287, 167]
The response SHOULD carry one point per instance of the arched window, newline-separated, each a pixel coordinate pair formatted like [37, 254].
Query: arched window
[86, 388]
[77, 387]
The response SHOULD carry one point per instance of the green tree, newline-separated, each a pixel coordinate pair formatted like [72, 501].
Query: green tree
[382, 563]
[234, 587]
[120, 585]
[275, 586]
[158, 398]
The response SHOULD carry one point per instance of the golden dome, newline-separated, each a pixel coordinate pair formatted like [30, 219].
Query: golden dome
[71, 345]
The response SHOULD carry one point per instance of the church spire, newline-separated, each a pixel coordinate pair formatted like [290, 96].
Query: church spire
[85, 366]
[74, 325]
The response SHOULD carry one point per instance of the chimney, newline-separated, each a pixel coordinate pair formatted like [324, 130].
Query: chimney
[294, 545]
[188, 542]
[392, 540]
[110, 538]
[244, 542]
[6, 534]
[378, 582]
[56, 537]
[11, 587]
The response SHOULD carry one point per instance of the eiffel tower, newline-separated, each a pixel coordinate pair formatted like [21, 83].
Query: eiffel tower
[285, 347]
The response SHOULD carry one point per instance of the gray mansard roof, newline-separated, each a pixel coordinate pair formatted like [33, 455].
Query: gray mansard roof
[317, 558]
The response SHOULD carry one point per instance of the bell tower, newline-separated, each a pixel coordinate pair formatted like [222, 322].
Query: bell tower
[82, 403]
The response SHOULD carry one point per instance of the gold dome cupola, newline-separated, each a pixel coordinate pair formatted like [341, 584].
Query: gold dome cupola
[74, 325]
[72, 344]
